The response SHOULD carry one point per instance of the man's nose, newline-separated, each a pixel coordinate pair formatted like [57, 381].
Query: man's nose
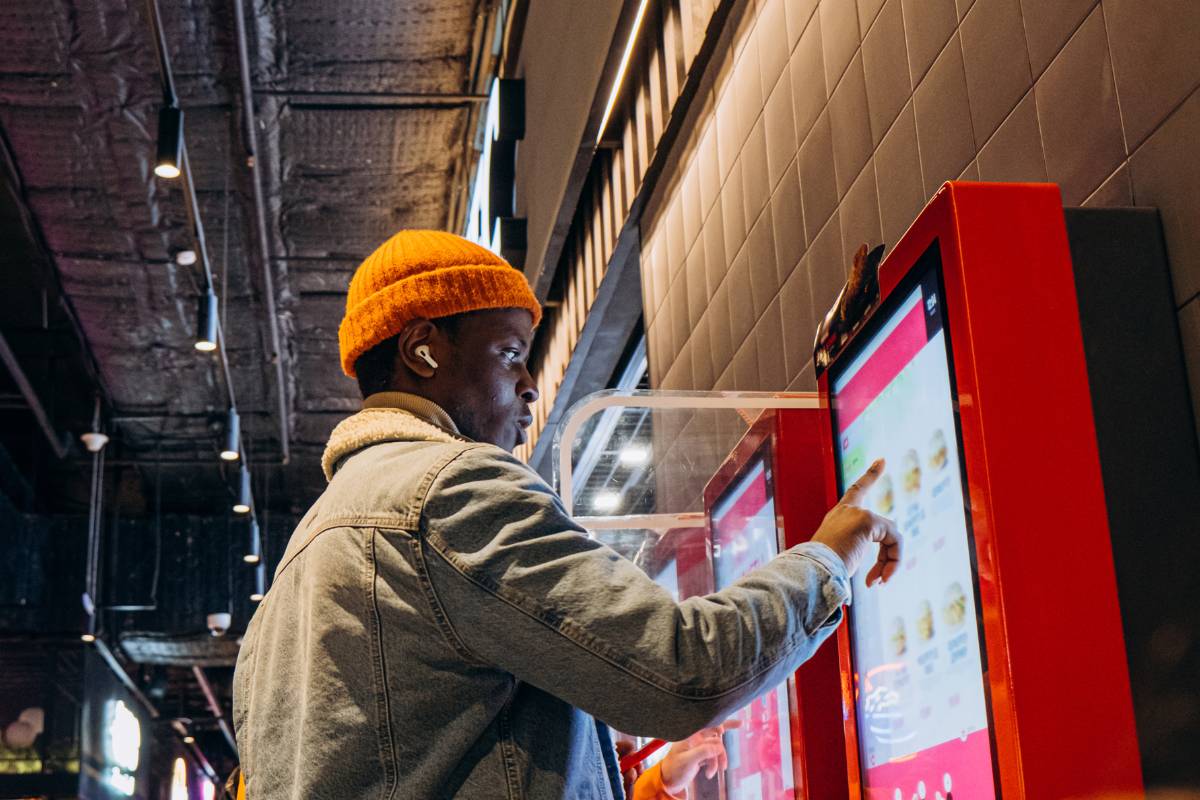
[527, 389]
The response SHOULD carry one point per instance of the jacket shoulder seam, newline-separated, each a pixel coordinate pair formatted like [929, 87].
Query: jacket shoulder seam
[357, 522]
[421, 493]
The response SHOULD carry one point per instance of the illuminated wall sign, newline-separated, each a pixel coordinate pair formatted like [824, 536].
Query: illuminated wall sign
[122, 747]
[179, 780]
[490, 220]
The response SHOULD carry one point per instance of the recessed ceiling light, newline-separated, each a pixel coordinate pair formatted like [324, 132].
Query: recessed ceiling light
[634, 455]
[606, 501]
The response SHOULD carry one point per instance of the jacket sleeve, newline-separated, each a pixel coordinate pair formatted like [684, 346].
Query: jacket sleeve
[524, 589]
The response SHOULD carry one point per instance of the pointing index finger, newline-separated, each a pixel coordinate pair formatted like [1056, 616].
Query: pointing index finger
[856, 495]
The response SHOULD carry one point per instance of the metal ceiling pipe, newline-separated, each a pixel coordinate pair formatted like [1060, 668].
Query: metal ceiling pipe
[214, 706]
[260, 226]
[91, 595]
[31, 399]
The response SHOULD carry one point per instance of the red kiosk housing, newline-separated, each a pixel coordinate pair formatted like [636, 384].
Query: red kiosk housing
[994, 664]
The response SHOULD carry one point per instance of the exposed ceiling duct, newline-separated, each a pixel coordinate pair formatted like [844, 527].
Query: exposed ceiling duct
[310, 132]
[362, 123]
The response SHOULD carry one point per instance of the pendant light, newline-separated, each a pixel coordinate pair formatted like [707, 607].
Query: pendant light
[206, 328]
[232, 450]
[168, 155]
[245, 500]
[260, 583]
[254, 551]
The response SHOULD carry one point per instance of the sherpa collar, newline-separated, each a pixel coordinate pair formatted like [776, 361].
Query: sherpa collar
[393, 423]
[422, 408]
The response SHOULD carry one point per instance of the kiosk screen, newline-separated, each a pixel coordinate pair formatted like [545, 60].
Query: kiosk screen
[922, 709]
[744, 536]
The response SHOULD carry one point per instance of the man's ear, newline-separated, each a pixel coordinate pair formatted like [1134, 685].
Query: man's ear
[419, 333]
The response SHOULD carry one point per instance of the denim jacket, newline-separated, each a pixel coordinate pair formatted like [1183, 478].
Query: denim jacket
[440, 627]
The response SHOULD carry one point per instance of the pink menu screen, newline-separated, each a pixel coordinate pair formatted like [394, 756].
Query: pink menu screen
[922, 707]
[744, 536]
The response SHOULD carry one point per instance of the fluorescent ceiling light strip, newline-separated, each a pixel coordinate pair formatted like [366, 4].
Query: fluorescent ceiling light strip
[616, 87]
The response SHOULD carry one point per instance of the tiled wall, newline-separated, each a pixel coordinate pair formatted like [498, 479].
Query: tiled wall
[826, 123]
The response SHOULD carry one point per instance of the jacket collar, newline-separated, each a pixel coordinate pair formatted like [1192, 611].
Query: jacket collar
[389, 417]
[420, 407]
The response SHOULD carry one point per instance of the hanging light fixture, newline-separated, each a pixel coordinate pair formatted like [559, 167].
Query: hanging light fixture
[245, 500]
[254, 551]
[168, 156]
[260, 583]
[206, 329]
[232, 450]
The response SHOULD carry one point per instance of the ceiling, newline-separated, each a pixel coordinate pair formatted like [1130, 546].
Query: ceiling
[366, 119]
[366, 123]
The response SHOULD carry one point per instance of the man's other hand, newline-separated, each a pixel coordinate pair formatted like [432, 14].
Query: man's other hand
[704, 750]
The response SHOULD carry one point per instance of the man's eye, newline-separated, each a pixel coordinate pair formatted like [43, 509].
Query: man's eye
[511, 354]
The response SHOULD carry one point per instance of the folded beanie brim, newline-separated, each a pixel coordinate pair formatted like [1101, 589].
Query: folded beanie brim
[429, 295]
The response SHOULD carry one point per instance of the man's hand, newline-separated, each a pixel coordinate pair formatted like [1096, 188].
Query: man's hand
[703, 750]
[849, 530]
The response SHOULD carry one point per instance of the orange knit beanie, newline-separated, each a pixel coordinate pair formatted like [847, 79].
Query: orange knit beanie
[426, 274]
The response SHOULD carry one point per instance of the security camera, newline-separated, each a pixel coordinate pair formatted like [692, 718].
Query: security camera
[219, 623]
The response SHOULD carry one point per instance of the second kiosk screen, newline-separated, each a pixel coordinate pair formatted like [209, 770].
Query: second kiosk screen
[745, 537]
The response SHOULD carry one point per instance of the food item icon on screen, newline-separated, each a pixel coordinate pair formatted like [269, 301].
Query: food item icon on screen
[939, 453]
[954, 611]
[885, 497]
[925, 621]
[912, 473]
[899, 637]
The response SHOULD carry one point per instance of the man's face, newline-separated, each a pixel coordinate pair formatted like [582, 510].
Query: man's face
[485, 384]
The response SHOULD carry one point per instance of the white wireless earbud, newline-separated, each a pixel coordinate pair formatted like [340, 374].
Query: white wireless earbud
[423, 354]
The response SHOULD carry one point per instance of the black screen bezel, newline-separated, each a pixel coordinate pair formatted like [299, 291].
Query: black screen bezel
[929, 262]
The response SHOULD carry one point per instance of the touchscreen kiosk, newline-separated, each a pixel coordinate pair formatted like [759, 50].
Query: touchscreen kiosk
[992, 664]
[744, 537]
[922, 707]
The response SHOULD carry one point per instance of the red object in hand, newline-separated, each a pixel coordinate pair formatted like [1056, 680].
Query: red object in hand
[638, 756]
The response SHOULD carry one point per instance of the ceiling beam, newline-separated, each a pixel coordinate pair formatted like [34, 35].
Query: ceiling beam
[57, 442]
[373, 100]
[279, 354]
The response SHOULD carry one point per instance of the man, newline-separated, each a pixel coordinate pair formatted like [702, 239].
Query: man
[439, 627]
